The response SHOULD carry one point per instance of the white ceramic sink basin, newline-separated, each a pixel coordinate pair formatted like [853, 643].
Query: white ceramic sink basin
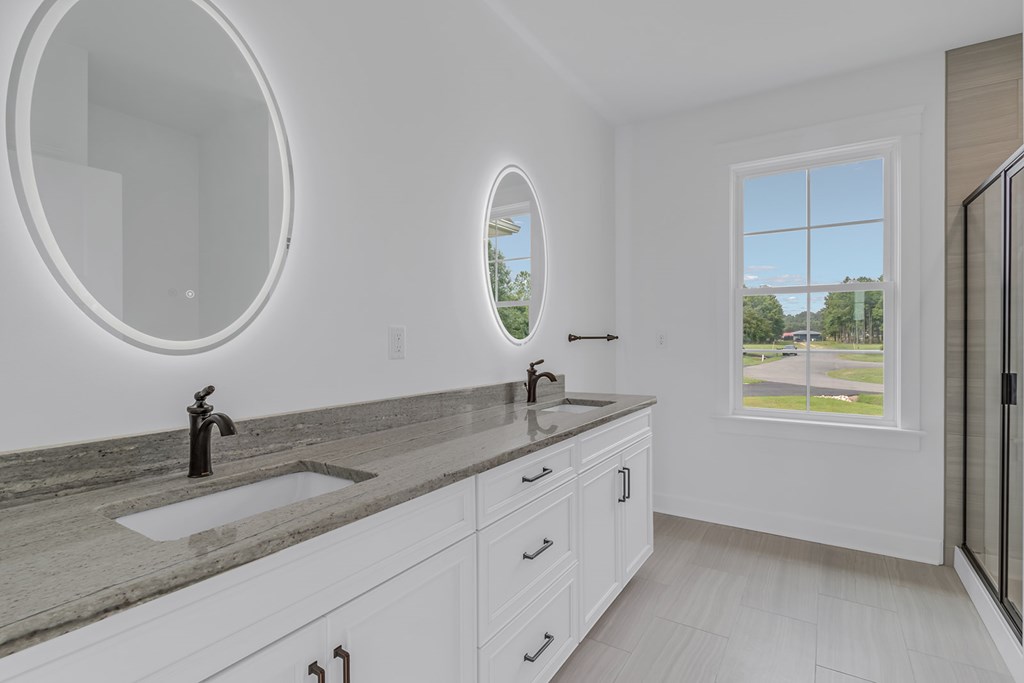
[188, 517]
[569, 408]
[575, 405]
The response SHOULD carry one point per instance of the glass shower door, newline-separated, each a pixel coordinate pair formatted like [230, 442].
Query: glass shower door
[984, 366]
[1014, 443]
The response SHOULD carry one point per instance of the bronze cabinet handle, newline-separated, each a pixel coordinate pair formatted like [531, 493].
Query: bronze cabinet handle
[316, 670]
[543, 473]
[629, 483]
[548, 639]
[346, 663]
[623, 473]
[535, 554]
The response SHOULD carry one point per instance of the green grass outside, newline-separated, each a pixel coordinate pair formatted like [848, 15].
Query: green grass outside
[851, 347]
[756, 360]
[867, 405]
[751, 380]
[863, 357]
[872, 375]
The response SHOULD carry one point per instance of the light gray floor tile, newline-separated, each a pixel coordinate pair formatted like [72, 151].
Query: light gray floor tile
[857, 577]
[676, 542]
[592, 662]
[673, 652]
[729, 550]
[870, 611]
[786, 578]
[628, 617]
[945, 624]
[930, 669]
[769, 648]
[861, 641]
[909, 574]
[708, 599]
[830, 676]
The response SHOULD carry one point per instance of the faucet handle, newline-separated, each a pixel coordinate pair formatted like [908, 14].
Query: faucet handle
[201, 407]
[202, 394]
[536, 362]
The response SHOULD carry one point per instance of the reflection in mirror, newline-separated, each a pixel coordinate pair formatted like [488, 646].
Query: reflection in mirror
[157, 177]
[514, 245]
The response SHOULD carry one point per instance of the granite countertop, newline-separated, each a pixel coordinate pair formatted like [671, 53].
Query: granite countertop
[65, 562]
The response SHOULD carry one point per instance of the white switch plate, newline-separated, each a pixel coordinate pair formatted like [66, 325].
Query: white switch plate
[660, 340]
[396, 342]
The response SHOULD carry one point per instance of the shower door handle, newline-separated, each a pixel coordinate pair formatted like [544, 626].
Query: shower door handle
[1009, 389]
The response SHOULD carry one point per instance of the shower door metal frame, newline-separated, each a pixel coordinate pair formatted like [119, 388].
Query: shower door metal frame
[1013, 165]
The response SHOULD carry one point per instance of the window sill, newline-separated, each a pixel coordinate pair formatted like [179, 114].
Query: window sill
[892, 438]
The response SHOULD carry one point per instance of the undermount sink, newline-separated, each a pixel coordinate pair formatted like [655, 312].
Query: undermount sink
[573, 405]
[188, 517]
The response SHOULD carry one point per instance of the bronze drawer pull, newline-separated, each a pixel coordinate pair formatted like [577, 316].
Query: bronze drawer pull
[346, 661]
[548, 639]
[316, 670]
[534, 555]
[543, 473]
[624, 496]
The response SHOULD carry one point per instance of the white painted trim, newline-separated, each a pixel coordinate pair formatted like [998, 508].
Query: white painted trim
[820, 430]
[878, 541]
[1003, 636]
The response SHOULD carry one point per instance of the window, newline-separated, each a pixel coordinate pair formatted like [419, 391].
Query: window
[814, 285]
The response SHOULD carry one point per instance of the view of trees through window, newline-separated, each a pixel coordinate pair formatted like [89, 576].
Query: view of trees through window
[813, 287]
[506, 288]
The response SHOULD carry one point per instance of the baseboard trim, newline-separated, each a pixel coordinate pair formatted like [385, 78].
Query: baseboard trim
[1003, 636]
[917, 548]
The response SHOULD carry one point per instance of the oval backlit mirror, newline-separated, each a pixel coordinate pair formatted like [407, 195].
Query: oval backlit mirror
[152, 167]
[514, 253]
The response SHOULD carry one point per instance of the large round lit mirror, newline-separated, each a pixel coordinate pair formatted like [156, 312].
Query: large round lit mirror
[152, 167]
[514, 254]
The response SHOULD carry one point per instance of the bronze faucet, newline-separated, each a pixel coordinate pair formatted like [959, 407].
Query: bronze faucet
[532, 377]
[201, 420]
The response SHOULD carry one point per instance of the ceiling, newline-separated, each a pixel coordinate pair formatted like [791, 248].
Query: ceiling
[640, 59]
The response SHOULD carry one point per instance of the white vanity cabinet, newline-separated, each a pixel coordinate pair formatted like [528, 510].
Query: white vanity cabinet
[493, 579]
[617, 532]
[416, 627]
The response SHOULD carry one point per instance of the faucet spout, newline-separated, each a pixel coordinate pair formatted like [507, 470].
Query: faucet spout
[532, 377]
[201, 420]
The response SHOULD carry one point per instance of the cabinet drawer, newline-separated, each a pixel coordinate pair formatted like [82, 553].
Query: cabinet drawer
[520, 555]
[507, 488]
[547, 632]
[598, 443]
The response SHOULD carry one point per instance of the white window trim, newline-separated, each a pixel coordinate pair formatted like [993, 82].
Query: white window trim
[890, 150]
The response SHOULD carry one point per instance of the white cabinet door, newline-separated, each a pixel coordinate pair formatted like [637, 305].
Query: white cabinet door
[419, 627]
[637, 511]
[286, 661]
[601, 489]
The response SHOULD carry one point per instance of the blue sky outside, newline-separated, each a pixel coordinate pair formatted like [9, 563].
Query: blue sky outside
[516, 246]
[840, 193]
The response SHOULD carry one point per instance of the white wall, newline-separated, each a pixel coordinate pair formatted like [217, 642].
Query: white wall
[399, 122]
[875, 491]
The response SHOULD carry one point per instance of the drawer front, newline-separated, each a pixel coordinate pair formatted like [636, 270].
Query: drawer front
[507, 488]
[520, 555]
[601, 442]
[547, 632]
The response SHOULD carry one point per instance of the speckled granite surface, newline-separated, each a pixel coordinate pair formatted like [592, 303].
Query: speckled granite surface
[65, 562]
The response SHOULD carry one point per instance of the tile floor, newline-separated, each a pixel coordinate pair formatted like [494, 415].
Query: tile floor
[721, 605]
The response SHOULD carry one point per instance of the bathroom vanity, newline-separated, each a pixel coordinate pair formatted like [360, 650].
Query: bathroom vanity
[478, 546]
